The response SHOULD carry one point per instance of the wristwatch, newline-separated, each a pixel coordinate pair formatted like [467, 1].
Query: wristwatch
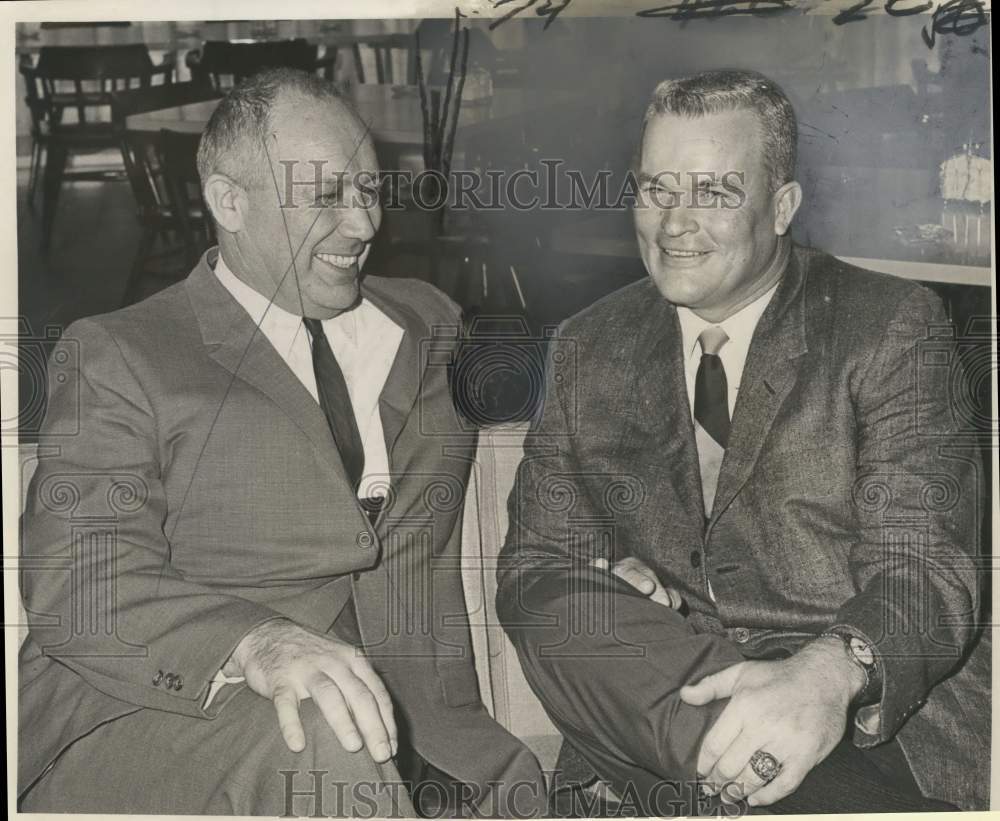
[862, 653]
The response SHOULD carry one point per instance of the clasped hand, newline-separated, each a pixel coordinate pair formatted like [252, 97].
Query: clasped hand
[795, 709]
[287, 663]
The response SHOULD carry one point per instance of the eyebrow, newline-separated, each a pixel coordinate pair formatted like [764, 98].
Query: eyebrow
[340, 177]
[660, 178]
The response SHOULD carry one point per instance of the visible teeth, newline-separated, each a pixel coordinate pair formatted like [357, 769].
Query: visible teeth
[339, 261]
[684, 253]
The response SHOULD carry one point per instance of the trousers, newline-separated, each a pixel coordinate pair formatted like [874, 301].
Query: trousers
[607, 664]
[155, 762]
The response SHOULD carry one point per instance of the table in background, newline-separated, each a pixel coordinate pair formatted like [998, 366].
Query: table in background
[392, 113]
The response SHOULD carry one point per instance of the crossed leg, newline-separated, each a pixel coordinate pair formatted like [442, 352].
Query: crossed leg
[608, 664]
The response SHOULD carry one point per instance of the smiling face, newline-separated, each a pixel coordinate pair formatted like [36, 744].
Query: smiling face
[301, 242]
[703, 247]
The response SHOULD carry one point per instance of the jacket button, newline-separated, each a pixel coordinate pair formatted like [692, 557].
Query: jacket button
[742, 635]
[178, 682]
[157, 678]
[168, 680]
[695, 559]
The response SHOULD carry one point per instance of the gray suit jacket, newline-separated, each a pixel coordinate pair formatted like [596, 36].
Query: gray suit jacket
[200, 494]
[849, 494]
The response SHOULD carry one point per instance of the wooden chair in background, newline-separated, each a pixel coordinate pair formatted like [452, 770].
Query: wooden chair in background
[384, 49]
[223, 63]
[141, 154]
[39, 126]
[70, 91]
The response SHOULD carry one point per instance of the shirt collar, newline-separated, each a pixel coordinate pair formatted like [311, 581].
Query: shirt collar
[260, 307]
[741, 325]
[253, 302]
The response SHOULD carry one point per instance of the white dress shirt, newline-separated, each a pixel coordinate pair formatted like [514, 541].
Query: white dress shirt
[364, 341]
[739, 328]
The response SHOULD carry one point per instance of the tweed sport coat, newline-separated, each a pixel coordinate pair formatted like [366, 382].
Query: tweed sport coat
[202, 494]
[849, 494]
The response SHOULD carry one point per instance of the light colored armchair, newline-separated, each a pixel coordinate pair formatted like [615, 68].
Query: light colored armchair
[504, 690]
[502, 684]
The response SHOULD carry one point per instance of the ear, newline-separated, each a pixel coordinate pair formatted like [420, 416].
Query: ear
[227, 201]
[786, 200]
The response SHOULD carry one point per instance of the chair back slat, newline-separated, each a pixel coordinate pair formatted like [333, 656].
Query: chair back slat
[81, 108]
[383, 50]
[84, 77]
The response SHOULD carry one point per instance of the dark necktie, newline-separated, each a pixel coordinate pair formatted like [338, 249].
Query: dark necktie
[711, 412]
[335, 401]
[711, 392]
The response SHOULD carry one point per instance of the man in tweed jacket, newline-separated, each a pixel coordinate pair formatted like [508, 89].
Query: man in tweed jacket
[791, 619]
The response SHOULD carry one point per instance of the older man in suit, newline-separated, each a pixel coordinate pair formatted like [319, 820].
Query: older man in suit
[755, 427]
[242, 571]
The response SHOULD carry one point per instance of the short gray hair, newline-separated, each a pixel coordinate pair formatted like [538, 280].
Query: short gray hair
[721, 90]
[232, 142]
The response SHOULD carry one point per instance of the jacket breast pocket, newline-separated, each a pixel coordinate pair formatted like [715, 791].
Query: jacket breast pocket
[458, 682]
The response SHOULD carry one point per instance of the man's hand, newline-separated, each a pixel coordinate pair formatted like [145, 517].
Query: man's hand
[287, 663]
[643, 579]
[795, 709]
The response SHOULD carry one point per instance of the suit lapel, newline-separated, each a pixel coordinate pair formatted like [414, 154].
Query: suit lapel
[402, 386]
[665, 412]
[233, 340]
[771, 370]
